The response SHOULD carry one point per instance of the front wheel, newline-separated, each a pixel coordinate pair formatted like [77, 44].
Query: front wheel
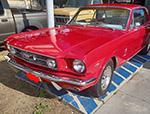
[104, 81]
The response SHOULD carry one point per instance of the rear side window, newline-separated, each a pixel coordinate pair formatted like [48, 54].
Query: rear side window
[106, 1]
[1, 9]
[147, 4]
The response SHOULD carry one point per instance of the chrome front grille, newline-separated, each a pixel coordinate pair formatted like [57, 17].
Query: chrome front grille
[32, 58]
[61, 19]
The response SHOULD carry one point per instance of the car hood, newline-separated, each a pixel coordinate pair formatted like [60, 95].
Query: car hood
[66, 11]
[66, 40]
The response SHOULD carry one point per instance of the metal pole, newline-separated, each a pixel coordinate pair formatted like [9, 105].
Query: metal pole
[30, 4]
[50, 13]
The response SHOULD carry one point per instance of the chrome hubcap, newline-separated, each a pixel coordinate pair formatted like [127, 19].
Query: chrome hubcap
[106, 77]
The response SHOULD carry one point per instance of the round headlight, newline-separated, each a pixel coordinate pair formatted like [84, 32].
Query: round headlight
[78, 66]
[51, 63]
[34, 57]
[12, 50]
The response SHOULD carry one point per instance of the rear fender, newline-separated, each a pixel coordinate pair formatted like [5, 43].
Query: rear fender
[21, 27]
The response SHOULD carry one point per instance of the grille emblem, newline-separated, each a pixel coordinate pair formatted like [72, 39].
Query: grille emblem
[26, 55]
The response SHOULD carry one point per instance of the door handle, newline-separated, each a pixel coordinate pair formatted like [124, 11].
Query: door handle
[4, 20]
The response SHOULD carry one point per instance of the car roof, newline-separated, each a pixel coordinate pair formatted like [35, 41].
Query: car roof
[125, 6]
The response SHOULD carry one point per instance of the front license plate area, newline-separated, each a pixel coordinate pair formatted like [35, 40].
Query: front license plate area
[33, 78]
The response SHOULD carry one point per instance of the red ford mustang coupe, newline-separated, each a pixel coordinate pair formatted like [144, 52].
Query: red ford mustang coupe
[84, 53]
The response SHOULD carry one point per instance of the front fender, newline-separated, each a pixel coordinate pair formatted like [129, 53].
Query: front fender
[96, 66]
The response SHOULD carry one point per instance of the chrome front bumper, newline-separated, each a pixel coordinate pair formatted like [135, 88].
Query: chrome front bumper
[50, 77]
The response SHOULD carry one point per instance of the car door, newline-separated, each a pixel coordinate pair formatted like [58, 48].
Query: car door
[6, 21]
[136, 35]
[139, 31]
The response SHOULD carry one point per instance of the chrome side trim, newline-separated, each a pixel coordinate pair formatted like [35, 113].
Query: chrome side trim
[50, 77]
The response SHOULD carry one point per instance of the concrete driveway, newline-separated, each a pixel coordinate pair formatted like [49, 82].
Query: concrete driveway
[133, 97]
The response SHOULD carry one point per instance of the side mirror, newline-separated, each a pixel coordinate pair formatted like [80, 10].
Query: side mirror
[137, 24]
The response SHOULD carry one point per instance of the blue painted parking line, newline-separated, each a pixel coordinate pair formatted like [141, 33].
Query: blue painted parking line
[146, 56]
[75, 104]
[68, 98]
[117, 79]
[126, 69]
[130, 67]
[135, 62]
[123, 72]
[140, 59]
[91, 104]
[82, 101]
[111, 88]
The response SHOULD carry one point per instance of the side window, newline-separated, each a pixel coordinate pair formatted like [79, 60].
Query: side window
[140, 17]
[96, 1]
[1, 9]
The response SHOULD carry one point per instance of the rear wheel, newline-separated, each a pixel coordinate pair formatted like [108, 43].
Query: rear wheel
[104, 81]
[29, 29]
[145, 50]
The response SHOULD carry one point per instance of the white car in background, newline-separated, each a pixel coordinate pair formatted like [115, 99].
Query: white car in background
[17, 18]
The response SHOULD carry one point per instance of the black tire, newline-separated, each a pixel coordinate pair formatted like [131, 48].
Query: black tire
[29, 29]
[2, 49]
[96, 90]
[145, 50]
[2, 46]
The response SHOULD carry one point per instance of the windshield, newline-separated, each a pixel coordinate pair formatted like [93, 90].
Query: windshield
[114, 18]
[77, 3]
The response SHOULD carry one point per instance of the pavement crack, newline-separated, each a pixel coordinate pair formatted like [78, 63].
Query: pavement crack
[134, 97]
